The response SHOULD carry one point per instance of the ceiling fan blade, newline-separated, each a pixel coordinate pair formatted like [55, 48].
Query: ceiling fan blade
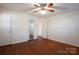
[51, 10]
[36, 10]
[37, 5]
[50, 4]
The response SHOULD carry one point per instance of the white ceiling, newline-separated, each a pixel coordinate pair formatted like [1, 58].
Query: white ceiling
[28, 7]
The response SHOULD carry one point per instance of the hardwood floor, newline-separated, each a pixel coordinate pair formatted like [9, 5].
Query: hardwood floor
[39, 47]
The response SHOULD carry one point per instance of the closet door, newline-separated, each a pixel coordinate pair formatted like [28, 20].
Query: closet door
[20, 28]
[5, 29]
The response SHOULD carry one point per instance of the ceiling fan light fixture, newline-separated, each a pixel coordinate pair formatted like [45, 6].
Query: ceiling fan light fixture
[43, 11]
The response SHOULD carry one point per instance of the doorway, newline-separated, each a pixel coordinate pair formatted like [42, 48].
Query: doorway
[31, 28]
[35, 29]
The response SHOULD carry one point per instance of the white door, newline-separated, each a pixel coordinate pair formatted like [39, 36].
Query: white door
[5, 29]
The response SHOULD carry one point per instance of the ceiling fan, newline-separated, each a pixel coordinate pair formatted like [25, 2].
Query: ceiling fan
[43, 7]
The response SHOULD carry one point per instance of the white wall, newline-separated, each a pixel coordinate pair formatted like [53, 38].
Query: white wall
[20, 27]
[14, 27]
[64, 28]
